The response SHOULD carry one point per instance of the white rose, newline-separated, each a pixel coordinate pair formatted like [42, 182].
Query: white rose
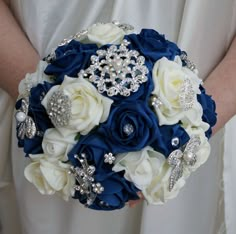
[150, 172]
[31, 80]
[140, 167]
[168, 77]
[88, 107]
[102, 34]
[50, 176]
[54, 144]
[158, 191]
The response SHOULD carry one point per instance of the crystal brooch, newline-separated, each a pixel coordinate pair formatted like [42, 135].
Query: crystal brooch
[189, 64]
[26, 125]
[178, 158]
[59, 109]
[109, 158]
[187, 95]
[84, 175]
[117, 70]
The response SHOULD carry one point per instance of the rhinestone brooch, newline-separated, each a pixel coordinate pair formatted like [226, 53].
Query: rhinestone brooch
[117, 70]
[109, 158]
[190, 65]
[156, 101]
[26, 125]
[84, 175]
[187, 95]
[178, 158]
[59, 109]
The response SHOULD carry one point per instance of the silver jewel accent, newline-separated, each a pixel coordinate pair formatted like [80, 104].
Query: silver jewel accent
[102, 203]
[50, 57]
[175, 142]
[109, 158]
[28, 84]
[156, 101]
[178, 158]
[26, 125]
[59, 109]
[39, 133]
[117, 70]
[81, 35]
[78, 36]
[190, 65]
[125, 27]
[25, 86]
[187, 95]
[84, 175]
[128, 129]
[97, 188]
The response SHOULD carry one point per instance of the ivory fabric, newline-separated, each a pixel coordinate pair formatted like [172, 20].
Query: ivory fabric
[8, 206]
[204, 29]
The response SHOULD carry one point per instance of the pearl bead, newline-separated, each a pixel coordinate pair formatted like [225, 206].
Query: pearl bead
[101, 203]
[189, 156]
[20, 116]
[117, 63]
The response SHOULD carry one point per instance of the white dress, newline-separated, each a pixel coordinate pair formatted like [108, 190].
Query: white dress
[204, 29]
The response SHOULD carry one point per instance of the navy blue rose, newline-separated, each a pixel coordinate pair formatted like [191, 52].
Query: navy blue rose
[209, 110]
[152, 45]
[117, 190]
[130, 127]
[172, 138]
[70, 59]
[38, 113]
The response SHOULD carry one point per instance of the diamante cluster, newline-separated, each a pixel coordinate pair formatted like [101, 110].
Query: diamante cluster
[59, 109]
[117, 70]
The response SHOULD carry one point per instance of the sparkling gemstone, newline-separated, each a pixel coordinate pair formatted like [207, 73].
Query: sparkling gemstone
[89, 202]
[186, 95]
[156, 102]
[128, 129]
[175, 141]
[109, 158]
[117, 63]
[141, 60]
[126, 27]
[101, 203]
[94, 58]
[97, 188]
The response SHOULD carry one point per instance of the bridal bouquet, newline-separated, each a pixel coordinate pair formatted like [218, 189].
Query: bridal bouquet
[110, 114]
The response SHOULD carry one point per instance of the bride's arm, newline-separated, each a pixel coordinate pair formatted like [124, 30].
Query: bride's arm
[221, 84]
[17, 56]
